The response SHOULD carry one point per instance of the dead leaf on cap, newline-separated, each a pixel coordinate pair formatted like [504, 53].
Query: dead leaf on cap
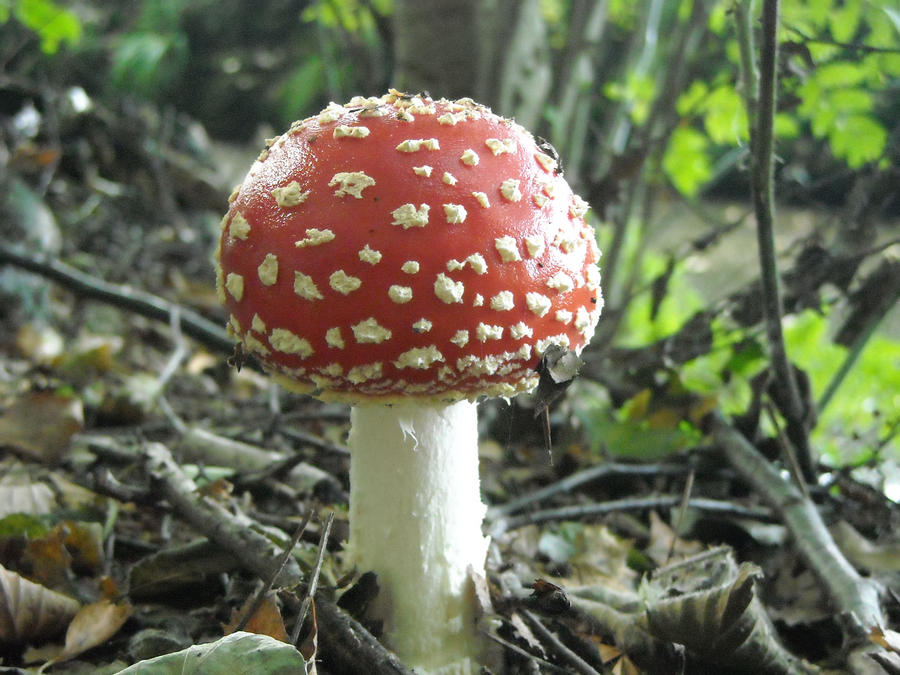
[40, 424]
[30, 612]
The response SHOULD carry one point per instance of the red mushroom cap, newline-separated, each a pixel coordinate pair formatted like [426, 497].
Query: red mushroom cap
[401, 246]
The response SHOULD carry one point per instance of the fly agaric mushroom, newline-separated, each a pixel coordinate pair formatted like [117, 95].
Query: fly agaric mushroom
[409, 256]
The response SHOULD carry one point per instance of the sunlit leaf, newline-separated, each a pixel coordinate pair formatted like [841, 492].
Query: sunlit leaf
[726, 116]
[54, 24]
[687, 162]
[859, 139]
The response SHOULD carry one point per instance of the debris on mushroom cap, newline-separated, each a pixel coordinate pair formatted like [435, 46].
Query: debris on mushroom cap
[356, 271]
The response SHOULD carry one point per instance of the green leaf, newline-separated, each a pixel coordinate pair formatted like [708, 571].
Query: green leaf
[858, 139]
[686, 161]
[691, 100]
[301, 87]
[23, 525]
[53, 24]
[840, 74]
[726, 116]
[844, 21]
[637, 91]
[848, 100]
[235, 653]
[786, 126]
[145, 61]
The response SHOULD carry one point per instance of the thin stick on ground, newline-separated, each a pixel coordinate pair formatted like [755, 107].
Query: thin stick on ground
[595, 509]
[572, 660]
[313, 579]
[254, 551]
[267, 586]
[345, 641]
[133, 300]
[579, 478]
[853, 596]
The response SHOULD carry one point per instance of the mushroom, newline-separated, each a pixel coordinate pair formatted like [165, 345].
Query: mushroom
[410, 256]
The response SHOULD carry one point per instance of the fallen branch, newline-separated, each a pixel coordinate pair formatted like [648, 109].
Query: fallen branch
[254, 551]
[855, 597]
[580, 511]
[574, 480]
[130, 299]
[347, 647]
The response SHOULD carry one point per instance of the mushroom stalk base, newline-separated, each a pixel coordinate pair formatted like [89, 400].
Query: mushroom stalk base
[415, 519]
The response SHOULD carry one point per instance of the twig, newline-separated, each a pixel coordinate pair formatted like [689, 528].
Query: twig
[762, 146]
[787, 450]
[255, 552]
[140, 302]
[628, 504]
[315, 441]
[178, 354]
[516, 649]
[575, 662]
[313, 579]
[267, 586]
[682, 511]
[574, 480]
[347, 647]
[854, 596]
[868, 49]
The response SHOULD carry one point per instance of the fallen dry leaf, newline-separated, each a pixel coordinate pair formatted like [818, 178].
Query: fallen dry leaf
[266, 620]
[661, 542]
[48, 557]
[310, 645]
[889, 639]
[93, 625]
[30, 612]
[34, 499]
[40, 424]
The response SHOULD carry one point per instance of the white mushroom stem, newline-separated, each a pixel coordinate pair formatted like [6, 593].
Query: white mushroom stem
[415, 519]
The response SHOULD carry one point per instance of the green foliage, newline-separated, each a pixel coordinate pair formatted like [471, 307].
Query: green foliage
[646, 321]
[301, 87]
[636, 92]
[687, 160]
[146, 62]
[839, 91]
[866, 408]
[641, 430]
[23, 525]
[725, 372]
[53, 24]
[837, 102]
[351, 16]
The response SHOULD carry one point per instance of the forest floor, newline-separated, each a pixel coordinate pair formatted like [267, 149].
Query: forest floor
[111, 403]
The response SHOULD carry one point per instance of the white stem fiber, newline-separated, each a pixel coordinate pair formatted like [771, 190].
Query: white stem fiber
[415, 519]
